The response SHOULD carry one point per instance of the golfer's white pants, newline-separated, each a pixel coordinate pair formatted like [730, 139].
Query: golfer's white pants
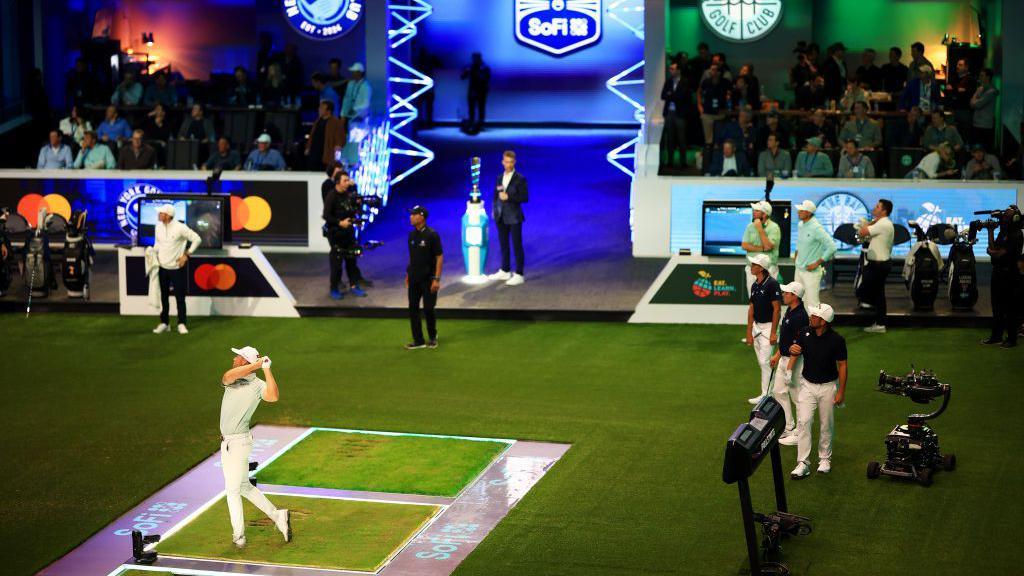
[811, 281]
[786, 388]
[234, 460]
[820, 397]
[762, 332]
[773, 272]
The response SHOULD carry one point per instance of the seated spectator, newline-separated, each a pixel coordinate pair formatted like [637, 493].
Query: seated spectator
[894, 74]
[868, 73]
[922, 91]
[854, 93]
[811, 95]
[853, 164]
[729, 162]
[55, 154]
[274, 92]
[774, 160]
[326, 138]
[197, 126]
[128, 92]
[983, 102]
[224, 157]
[264, 157]
[114, 129]
[982, 166]
[819, 127]
[156, 126]
[160, 92]
[747, 93]
[710, 101]
[242, 93]
[907, 132]
[862, 129]
[811, 162]
[938, 164]
[741, 132]
[74, 126]
[772, 126]
[940, 132]
[138, 155]
[335, 79]
[94, 155]
[324, 91]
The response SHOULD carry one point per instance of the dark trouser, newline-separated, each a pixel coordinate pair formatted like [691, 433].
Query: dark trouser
[420, 290]
[673, 137]
[1005, 308]
[477, 109]
[963, 120]
[337, 258]
[314, 163]
[516, 231]
[179, 279]
[986, 137]
[873, 287]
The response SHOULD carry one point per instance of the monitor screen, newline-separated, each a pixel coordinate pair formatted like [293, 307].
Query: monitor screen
[205, 215]
[725, 220]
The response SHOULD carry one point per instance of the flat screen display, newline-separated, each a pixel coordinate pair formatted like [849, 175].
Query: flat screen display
[203, 214]
[724, 222]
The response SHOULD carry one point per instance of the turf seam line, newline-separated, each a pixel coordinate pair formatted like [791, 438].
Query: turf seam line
[489, 465]
[287, 447]
[349, 498]
[412, 537]
[159, 570]
[184, 521]
[442, 436]
[255, 563]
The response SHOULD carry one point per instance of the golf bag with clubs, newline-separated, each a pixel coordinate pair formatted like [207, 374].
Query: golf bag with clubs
[6, 254]
[38, 270]
[962, 272]
[922, 266]
[78, 256]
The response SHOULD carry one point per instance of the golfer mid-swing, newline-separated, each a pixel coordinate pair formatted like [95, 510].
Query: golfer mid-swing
[242, 394]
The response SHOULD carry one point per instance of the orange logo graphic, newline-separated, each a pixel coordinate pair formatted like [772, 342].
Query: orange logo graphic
[30, 204]
[215, 277]
[251, 213]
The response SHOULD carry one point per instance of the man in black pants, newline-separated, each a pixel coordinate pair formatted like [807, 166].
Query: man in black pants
[678, 107]
[879, 262]
[479, 76]
[1005, 249]
[423, 277]
[510, 193]
[340, 211]
[174, 243]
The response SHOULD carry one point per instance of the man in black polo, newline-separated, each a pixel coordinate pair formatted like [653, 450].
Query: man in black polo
[786, 389]
[822, 386]
[763, 318]
[1004, 249]
[423, 277]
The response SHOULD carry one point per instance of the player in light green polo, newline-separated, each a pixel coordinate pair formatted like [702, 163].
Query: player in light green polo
[762, 236]
[243, 391]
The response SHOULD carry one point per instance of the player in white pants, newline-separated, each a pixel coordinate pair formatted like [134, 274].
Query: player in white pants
[822, 386]
[814, 247]
[786, 387]
[242, 394]
[763, 319]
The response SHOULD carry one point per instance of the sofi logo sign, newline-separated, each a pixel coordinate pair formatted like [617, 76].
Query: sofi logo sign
[558, 27]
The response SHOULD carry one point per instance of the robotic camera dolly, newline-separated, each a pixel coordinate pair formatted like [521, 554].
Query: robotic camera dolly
[913, 448]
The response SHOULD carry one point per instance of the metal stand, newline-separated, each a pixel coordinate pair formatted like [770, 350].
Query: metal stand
[747, 508]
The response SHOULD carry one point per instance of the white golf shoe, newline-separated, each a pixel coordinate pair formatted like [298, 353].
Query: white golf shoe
[801, 471]
[824, 467]
[755, 399]
[501, 275]
[789, 438]
[182, 329]
[515, 280]
[161, 328]
[239, 542]
[284, 524]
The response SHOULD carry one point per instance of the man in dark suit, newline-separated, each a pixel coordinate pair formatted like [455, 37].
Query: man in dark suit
[510, 193]
[729, 162]
[678, 105]
[834, 72]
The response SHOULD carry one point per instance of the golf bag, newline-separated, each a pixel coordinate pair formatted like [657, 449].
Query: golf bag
[38, 269]
[921, 269]
[963, 275]
[6, 254]
[78, 256]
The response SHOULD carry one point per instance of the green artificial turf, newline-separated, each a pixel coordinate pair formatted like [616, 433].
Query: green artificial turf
[326, 533]
[99, 414]
[379, 463]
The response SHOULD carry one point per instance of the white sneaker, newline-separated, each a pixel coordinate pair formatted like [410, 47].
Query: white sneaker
[875, 329]
[801, 471]
[161, 328]
[500, 275]
[239, 542]
[284, 524]
[789, 438]
[755, 399]
[515, 280]
[824, 467]
[182, 329]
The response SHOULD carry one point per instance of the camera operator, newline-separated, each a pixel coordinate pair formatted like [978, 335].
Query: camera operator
[1005, 249]
[881, 232]
[341, 211]
[334, 170]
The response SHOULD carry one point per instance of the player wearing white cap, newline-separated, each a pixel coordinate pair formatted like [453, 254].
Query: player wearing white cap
[786, 388]
[822, 386]
[173, 242]
[814, 247]
[763, 319]
[762, 236]
[243, 391]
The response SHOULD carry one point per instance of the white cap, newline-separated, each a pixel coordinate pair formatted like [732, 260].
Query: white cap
[762, 206]
[357, 67]
[823, 311]
[250, 354]
[806, 206]
[166, 209]
[265, 138]
[794, 288]
[762, 260]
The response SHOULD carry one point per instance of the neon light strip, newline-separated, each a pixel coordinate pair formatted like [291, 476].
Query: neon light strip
[619, 11]
[401, 111]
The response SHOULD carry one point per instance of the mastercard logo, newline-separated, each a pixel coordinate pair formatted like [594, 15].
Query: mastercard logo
[251, 213]
[215, 277]
[30, 204]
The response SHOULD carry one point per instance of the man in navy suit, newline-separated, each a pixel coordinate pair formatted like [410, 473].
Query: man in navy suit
[729, 162]
[678, 107]
[510, 193]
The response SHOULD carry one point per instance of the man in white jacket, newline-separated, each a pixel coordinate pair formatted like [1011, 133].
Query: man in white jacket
[175, 242]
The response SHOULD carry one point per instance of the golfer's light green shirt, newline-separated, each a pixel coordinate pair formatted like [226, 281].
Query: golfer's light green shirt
[813, 243]
[774, 233]
[241, 398]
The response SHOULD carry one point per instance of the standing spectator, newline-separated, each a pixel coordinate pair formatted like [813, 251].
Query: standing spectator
[174, 243]
[55, 154]
[982, 166]
[959, 91]
[355, 109]
[696, 67]
[273, 92]
[812, 95]
[114, 129]
[263, 56]
[854, 93]
[741, 132]
[324, 90]
[427, 62]
[917, 60]
[80, 87]
[128, 92]
[263, 157]
[479, 75]
[861, 129]
[774, 160]
[811, 162]
[820, 127]
[750, 93]
[814, 55]
[197, 126]
[94, 155]
[834, 72]
[711, 102]
[242, 93]
[939, 164]
[678, 105]
[894, 74]
[510, 193]
[157, 127]
[718, 59]
[224, 157]
[868, 73]
[292, 68]
[335, 79]
[879, 262]
[161, 92]
[137, 156]
[326, 138]
[984, 104]
[772, 126]
[729, 161]
[940, 132]
[922, 91]
[804, 70]
[74, 126]
[907, 132]
[853, 164]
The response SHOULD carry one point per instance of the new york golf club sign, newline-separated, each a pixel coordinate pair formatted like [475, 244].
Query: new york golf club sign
[741, 20]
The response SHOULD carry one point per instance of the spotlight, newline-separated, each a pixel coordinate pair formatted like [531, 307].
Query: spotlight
[147, 38]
